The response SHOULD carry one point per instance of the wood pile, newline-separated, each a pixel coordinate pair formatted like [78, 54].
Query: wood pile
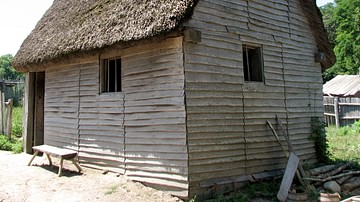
[331, 180]
[335, 179]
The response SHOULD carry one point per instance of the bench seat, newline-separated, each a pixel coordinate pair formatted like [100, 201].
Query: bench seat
[62, 153]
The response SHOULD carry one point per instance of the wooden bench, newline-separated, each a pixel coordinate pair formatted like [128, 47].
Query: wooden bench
[61, 153]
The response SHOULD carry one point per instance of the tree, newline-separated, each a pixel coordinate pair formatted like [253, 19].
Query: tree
[327, 12]
[342, 23]
[347, 49]
[7, 72]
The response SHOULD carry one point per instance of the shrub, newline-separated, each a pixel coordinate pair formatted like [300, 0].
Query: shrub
[14, 145]
[319, 137]
[5, 143]
[17, 122]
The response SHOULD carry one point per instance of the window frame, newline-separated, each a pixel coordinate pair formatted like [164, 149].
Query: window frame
[109, 75]
[257, 51]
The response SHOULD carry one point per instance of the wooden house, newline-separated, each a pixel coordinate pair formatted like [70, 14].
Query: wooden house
[342, 100]
[175, 94]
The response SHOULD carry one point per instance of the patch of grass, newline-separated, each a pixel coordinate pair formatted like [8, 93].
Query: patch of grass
[14, 145]
[344, 142]
[17, 121]
[112, 190]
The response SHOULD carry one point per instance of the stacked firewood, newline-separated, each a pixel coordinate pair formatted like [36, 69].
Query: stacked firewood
[336, 179]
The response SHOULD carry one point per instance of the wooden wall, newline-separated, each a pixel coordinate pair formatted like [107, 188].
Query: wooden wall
[155, 128]
[62, 107]
[141, 131]
[226, 117]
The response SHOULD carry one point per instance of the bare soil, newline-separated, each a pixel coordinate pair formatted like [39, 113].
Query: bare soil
[39, 182]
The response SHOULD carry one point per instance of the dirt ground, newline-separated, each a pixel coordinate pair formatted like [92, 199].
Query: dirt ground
[39, 182]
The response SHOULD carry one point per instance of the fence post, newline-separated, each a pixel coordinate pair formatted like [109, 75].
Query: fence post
[336, 110]
[8, 124]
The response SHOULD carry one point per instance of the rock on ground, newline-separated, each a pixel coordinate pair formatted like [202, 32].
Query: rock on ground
[332, 186]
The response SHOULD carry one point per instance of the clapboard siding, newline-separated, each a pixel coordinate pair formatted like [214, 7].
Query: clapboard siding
[101, 118]
[226, 117]
[77, 117]
[141, 131]
[155, 128]
[61, 107]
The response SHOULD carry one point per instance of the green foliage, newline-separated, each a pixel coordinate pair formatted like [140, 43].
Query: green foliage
[14, 145]
[112, 190]
[319, 137]
[344, 142]
[193, 199]
[7, 72]
[17, 122]
[348, 35]
[329, 22]
[5, 143]
[342, 23]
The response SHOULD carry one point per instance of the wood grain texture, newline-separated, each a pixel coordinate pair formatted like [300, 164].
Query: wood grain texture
[155, 127]
[226, 117]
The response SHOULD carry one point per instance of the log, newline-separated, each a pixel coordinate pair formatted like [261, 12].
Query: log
[333, 177]
[320, 170]
[335, 171]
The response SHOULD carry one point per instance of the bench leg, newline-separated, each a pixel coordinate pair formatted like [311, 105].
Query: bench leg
[48, 156]
[32, 158]
[76, 164]
[60, 166]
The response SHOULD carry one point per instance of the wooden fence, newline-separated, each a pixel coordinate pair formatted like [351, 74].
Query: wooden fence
[11, 92]
[341, 111]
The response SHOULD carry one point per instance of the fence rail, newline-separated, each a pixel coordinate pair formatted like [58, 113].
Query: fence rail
[341, 111]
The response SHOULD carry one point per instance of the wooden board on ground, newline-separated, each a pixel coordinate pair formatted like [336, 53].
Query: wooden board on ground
[286, 182]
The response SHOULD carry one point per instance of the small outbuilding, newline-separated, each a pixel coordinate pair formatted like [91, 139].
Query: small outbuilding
[342, 100]
[176, 93]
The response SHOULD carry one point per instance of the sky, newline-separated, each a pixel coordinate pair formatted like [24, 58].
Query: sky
[19, 17]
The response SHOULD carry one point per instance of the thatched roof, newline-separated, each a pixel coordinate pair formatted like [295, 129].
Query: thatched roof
[82, 25]
[79, 26]
[343, 86]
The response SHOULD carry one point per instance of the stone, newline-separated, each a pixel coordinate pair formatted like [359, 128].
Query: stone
[351, 184]
[332, 186]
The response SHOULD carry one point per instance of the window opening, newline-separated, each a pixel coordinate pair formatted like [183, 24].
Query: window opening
[111, 75]
[253, 63]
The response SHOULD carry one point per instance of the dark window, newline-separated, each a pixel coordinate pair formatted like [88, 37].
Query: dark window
[111, 75]
[253, 63]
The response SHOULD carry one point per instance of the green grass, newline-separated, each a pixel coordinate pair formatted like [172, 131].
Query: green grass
[344, 142]
[14, 144]
[17, 121]
[112, 190]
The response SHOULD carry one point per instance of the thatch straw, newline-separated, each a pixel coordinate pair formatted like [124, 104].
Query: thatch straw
[81, 26]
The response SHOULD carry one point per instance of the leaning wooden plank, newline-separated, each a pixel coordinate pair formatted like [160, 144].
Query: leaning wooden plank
[286, 153]
[291, 149]
[286, 182]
